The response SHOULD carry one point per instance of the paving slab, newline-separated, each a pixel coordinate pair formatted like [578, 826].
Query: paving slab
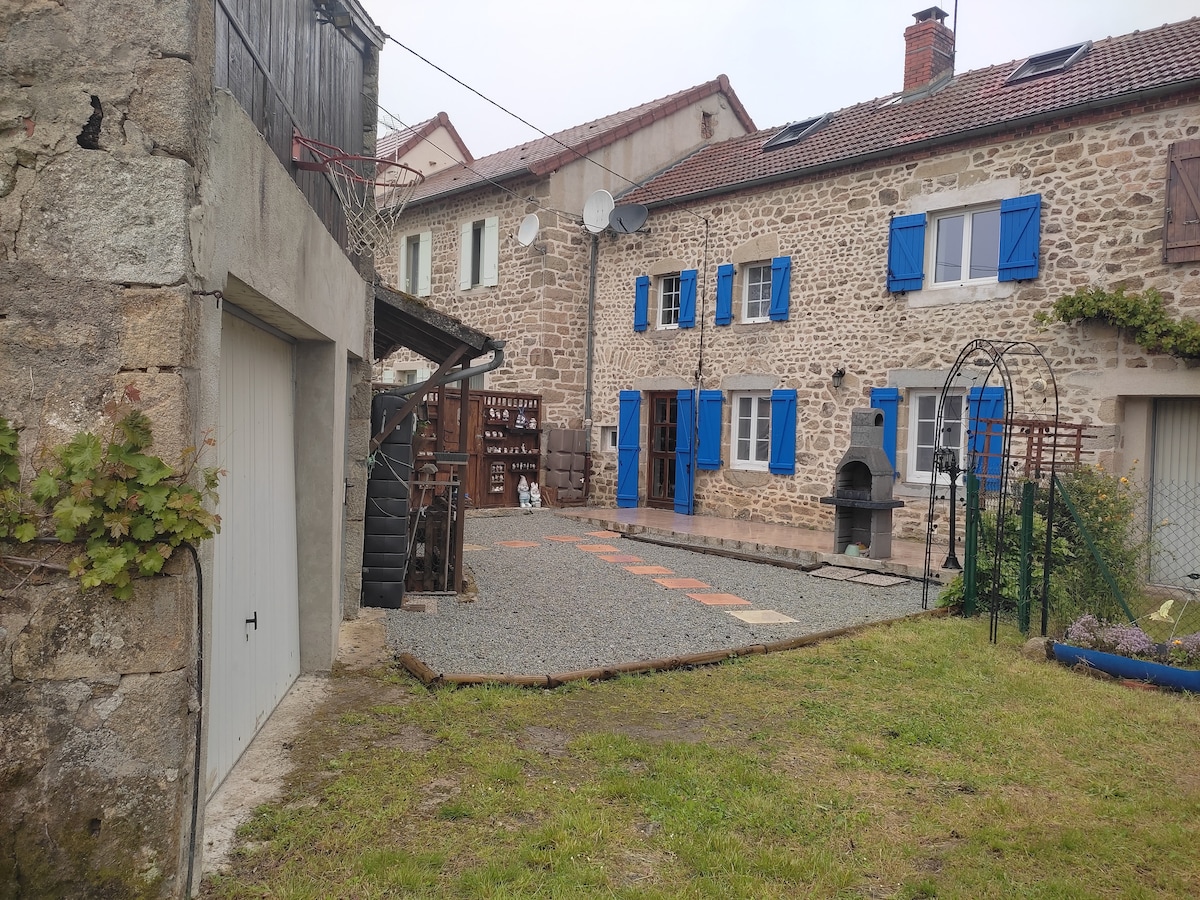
[837, 573]
[598, 548]
[876, 580]
[683, 583]
[761, 616]
[720, 599]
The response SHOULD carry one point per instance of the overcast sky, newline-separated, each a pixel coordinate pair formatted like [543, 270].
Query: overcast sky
[558, 64]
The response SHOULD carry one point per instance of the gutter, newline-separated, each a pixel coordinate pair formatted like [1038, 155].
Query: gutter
[959, 136]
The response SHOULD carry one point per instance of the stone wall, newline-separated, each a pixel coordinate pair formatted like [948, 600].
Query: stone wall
[1102, 189]
[103, 108]
[539, 305]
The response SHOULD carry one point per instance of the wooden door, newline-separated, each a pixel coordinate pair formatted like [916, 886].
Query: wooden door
[660, 460]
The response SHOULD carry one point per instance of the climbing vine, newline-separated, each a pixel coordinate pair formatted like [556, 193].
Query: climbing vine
[1143, 315]
[126, 510]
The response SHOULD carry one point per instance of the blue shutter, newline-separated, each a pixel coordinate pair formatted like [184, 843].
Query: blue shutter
[641, 303]
[708, 442]
[1020, 232]
[724, 295]
[986, 445]
[906, 253]
[781, 283]
[687, 298]
[629, 441]
[888, 400]
[783, 432]
[685, 452]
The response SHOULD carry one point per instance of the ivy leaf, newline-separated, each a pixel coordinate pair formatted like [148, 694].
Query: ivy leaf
[44, 488]
[25, 532]
[9, 470]
[151, 562]
[143, 529]
[70, 513]
[117, 524]
[150, 469]
[154, 498]
[82, 454]
[136, 429]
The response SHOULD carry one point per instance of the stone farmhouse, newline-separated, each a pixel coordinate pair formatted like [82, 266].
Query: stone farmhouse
[456, 245]
[157, 239]
[876, 242]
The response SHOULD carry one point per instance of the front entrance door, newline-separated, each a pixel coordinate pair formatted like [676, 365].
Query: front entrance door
[660, 478]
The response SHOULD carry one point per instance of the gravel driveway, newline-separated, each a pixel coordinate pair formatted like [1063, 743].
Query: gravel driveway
[554, 607]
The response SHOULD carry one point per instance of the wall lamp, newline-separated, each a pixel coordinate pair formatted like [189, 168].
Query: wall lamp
[333, 12]
[838, 374]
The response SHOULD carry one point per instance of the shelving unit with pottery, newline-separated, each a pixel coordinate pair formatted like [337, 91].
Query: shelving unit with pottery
[511, 443]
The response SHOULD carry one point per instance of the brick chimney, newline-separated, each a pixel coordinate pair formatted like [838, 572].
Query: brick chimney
[928, 49]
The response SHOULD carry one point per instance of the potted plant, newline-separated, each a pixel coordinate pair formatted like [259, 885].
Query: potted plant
[1126, 651]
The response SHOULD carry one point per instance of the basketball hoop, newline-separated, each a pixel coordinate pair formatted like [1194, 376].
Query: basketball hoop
[372, 191]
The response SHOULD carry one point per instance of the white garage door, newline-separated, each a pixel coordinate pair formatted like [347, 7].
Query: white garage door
[1175, 491]
[255, 620]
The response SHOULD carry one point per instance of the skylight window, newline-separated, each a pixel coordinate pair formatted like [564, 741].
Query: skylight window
[794, 133]
[1046, 63]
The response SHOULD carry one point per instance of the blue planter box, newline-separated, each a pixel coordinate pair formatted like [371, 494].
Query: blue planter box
[1135, 669]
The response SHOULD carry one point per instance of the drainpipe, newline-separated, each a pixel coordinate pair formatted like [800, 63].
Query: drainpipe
[591, 319]
[457, 375]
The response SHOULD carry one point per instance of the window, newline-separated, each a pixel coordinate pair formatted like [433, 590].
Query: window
[922, 431]
[795, 133]
[965, 245]
[750, 431]
[968, 246]
[757, 296]
[479, 249]
[1051, 61]
[608, 437]
[668, 301]
[415, 258]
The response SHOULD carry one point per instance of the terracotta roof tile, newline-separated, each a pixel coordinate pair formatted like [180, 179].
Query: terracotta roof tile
[395, 144]
[544, 155]
[1113, 70]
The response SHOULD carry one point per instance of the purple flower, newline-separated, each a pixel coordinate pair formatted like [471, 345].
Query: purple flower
[1128, 640]
[1082, 632]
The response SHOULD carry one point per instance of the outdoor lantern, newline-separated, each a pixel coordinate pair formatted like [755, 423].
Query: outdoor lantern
[945, 461]
[838, 374]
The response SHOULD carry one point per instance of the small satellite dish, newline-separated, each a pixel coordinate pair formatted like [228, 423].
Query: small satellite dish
[528, 231]
[628, 218]
[596, 211]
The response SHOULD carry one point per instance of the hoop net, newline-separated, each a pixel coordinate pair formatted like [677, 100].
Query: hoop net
[372, 192]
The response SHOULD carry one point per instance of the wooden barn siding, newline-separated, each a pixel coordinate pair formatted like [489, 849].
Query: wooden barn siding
[318, 69]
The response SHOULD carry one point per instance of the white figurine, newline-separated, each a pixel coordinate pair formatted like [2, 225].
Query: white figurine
[524, 494]
[535, 496]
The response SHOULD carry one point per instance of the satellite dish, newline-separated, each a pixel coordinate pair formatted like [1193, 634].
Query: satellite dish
[596, 211]
[528, 231]
[628, 218]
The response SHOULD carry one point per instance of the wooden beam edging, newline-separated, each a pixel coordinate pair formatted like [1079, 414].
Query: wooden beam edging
[430, 678]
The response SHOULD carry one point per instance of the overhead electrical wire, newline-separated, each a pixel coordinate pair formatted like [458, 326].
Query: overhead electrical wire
[528, 124]
[395, 118]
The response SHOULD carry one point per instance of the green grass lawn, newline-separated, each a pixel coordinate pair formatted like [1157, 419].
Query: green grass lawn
[914, 760]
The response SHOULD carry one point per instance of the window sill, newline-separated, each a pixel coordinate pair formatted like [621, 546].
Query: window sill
[946, 295]
[747, 467]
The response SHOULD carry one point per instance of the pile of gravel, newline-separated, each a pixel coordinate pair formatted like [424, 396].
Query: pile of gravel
[554, 607]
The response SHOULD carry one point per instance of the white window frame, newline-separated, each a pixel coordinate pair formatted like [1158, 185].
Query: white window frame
[931, 236]
[608, 438]
[760, 410]
[479, 253]
[912, 473]
[663, 280]
[747, 282]
[424, 243]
